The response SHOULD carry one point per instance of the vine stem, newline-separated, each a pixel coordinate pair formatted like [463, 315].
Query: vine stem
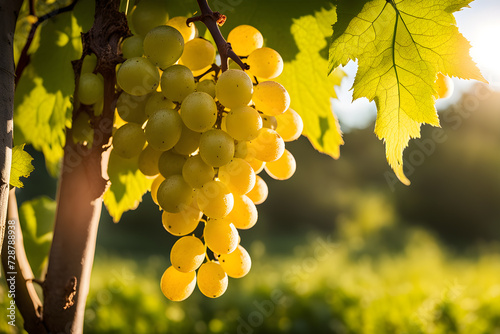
[212, 20]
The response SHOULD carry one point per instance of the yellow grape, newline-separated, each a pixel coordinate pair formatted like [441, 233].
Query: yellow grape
[129, 140]
[207, 86]
[154, 188]
[269, 122]
[216, 147]
[187, 254]
[177, 285]
[132, 47]
[244, 214]
[163, 45]
[174, 194]
[198, 54]
[149, 14]
[271, 98]
[221, 236]
[283, 168]
[188, 142]
[268, 146]
[182, 222]
[179, 23]
[131, 108]
[236, 264]
[171, 163]
[148, 161]
[90, 88]
[259, 193]
[177, 82]
[163, 129]
[240, 149]
[196, 172]
[215, 199]
[265, 63]
[244, 39]
[243, 123]
[212, 280]
[238, 175]
[138, 76]
[234, 89]
[290, 125]
[156, 101]
[444, 86]
[257, 165]
[198, 111]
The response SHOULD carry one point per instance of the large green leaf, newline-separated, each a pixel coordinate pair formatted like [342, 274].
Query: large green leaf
[21, 166]
[401, 46]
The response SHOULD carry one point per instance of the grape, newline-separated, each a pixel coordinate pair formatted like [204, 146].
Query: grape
[259, 192]
[174, 194]
[163, 45]
[268, 146]
[163, 129]
[129, 140]
[271, 98]
[283, 168]
[132, 108]
[243, 123]
[154, 188]
[183, 222]
[81, 130]
[177, 285]
[257, 165]
[212, 280]
[138, 76]
[198, 54]
[265, 63]
[244, 39]
[269, 122]
[187, 254]
[290, 125]
[236, 264]
[90, 88]
[148, 161]
[132, 47]
[155, 102]
[171, 163]
[216, 147]
[179, 23]
[234, 89]
[244, 214]
[221, 236]
[215, 199]
[189, 141]
[177, 82]
[89, 63]
[198, 111]
[196, 172]
[98, 107]
[238, 175]
[240, 149]
[207, 86]
[149, 14]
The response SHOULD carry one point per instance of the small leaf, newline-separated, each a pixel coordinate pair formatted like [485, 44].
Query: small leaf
[21, 166]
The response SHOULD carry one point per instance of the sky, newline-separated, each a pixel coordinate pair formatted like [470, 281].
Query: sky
[480, 24]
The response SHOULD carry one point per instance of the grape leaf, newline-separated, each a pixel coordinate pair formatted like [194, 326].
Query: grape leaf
[128, 185]
[400, 47]
[21, 166]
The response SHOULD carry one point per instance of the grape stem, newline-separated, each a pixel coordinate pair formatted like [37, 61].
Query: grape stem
[212, 20]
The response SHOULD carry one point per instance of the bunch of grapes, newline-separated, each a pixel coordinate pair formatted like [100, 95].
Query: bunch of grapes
[203, 136]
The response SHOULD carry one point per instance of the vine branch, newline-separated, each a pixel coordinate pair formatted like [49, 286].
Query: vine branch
[212, 21]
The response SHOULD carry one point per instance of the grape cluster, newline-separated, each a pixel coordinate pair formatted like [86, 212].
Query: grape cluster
[203, 136]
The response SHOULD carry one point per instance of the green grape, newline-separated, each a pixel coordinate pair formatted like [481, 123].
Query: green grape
[182, 222]
[196, 172]
[265, 63]
[269, 122]
[129, 140]
[283, 168]
[98, 107]
[177, 82]
[163, 129]
[138, 76]
[179, 23]
[177, 285]
[290, 125]
[81, 130]
[268, 146]
[148, 161]
[132, 47]
[271, 98]
[207, 86]
[259, 193]
[240, 149]
[171, 163]
[149, 14]
[198, 54]
[214, 199]
[89, 63]
[198, 111]
[174, 194]
[212, 280]
[244, 39]
[236, 264]
[238, 175]
[155, 102]
[90, 88]
[221, 236]
[187, 254]
[243, 123]
[189, 141]
[216, 147]
[154, 188]
[244, 214]
[131, 108]
[234, 89]
[163, 45]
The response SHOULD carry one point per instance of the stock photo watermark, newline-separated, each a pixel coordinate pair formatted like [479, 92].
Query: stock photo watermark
[11, 272]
